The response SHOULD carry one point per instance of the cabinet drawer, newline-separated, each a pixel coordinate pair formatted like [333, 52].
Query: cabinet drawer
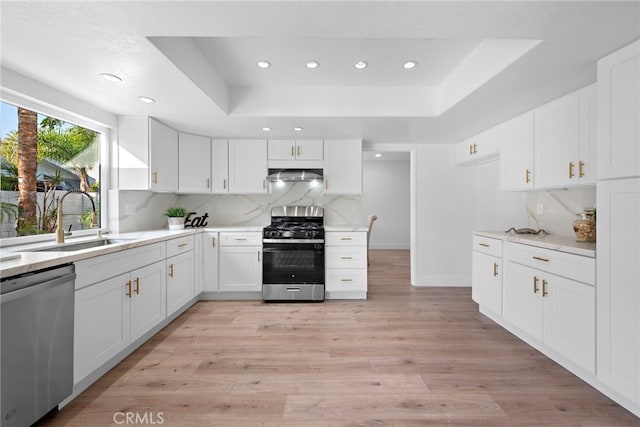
[102, 267]
[180, 245]
[345, 257]
[241, 239]
[487, 245]
[345, 238]
[576, 267]
[340, 279]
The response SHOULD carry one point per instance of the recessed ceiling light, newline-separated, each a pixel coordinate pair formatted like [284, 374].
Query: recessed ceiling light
[263, 64]
[312, 64]
[360, 65]
[297, 129]
[111, 78]
[146, 99]
[378, 155]
[266, 128]
[410, 64]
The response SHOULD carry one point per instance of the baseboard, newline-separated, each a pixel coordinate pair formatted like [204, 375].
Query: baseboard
[447, 281]
[390, 246]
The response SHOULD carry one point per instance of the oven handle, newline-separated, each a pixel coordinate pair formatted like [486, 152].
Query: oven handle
[292, 241]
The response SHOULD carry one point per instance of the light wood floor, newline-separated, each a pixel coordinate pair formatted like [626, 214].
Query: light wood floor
[404, 357]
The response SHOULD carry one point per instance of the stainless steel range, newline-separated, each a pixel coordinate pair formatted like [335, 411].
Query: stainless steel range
[293, 249]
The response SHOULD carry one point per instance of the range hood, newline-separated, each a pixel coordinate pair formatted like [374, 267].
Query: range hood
[295, 175]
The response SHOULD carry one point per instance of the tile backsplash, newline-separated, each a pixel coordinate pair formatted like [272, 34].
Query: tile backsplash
[559, 208]
[236, 209]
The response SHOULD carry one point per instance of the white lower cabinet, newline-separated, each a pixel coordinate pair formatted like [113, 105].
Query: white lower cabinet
[240, 262]
[111, 314]
[210, 249]
[345, 265]
[180, 281]
[486, 276]
[619, 288]
[180, 273]
[554, 310]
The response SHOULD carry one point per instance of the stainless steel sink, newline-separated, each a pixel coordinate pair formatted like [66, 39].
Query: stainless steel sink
[69, 247]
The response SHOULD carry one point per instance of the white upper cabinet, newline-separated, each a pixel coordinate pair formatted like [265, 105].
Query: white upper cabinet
[309, 149]
[147, 155]
[480, 148]
[516, 153]
[565, 141]
[219, 166]
[619, 113]
[301, 153]
[247, 166]
[289, 149]
[343, 166]
[194, 163]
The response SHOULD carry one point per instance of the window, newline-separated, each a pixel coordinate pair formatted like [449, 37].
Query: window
[47, 163]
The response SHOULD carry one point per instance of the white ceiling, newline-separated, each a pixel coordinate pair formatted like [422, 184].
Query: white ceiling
[479, 63]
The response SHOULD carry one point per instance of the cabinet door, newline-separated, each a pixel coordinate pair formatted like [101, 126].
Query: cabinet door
[210, 245]
[522, 302]
[486, 279]
[247, 166]
[618, 290]
[464, 151]
[588, 137]
[343, 166]
[309, 149]
[240, 268]
[194, 163]
[179, 281]
[282, 149]
[197, 264]
[557, 142]
[163, 152]
[516, 153]
[149, 299]
[570, 319]
[219, 166]
[101, 324]
[133, 153]
[618, 112]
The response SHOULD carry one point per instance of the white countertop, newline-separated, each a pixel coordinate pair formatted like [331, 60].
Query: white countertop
[558, 243]
[21, 259]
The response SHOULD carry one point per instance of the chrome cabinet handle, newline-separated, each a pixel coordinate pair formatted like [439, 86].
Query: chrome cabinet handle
[258, 256]
[495, 269]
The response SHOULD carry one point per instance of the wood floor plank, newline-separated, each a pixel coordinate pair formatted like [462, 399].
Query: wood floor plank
[405, 357]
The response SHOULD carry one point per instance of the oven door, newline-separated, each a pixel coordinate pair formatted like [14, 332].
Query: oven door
[292, 263]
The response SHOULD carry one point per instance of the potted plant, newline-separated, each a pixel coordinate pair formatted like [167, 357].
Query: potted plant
[176, 217]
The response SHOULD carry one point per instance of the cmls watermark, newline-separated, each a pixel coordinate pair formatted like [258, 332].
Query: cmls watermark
[148, 418]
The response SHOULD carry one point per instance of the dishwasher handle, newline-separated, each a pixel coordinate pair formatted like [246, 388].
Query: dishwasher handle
[14, 295]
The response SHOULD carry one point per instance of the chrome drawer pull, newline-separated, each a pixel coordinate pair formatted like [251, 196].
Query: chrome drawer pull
[293, 289]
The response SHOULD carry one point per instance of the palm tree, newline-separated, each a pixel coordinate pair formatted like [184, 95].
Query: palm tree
[27, 164]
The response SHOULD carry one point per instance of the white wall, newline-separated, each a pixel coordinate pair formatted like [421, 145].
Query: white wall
[386, 194]
[451, 202]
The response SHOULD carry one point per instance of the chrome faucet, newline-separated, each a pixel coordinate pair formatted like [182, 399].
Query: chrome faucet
[59, 230]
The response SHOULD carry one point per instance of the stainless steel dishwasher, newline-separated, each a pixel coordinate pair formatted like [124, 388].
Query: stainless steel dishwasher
[36, 348]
